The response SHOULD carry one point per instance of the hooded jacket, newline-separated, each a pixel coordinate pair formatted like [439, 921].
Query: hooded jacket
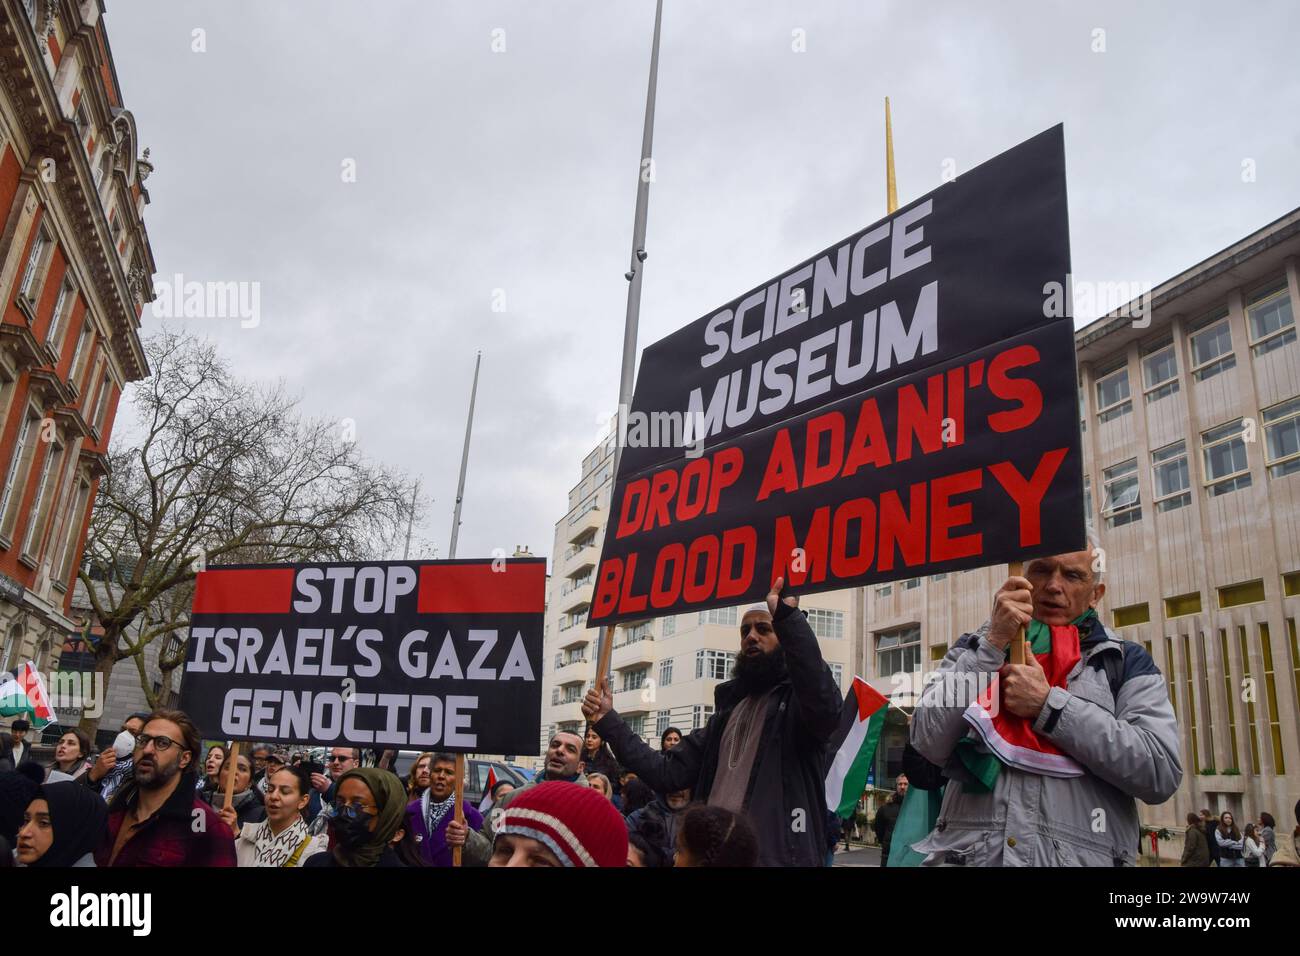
[1127, 743]
[786, 795]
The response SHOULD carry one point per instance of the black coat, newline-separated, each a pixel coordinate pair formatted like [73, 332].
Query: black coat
[886, 819]
[786, 799]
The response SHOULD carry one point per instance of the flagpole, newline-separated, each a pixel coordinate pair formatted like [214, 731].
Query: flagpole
[464, 461]
[458, 798]
[644, 170]
[410, 520]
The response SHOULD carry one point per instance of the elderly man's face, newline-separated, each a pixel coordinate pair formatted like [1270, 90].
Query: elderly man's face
[757, 636]
[1064, 586]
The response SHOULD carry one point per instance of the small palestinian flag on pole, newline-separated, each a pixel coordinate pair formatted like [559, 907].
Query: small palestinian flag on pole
[23, 693]
[854, 746]
[486, 802]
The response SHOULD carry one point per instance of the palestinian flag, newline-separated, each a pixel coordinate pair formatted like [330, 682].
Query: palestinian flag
[23, 693]
[1012, 739]
[854, 746]
[486, 802]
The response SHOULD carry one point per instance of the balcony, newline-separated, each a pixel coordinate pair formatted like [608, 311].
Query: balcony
[630, 655]
[585, 523]
[571, 670]
[577, 600]
[580, 637]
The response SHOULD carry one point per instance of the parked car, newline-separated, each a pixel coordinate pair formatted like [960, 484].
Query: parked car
[476, 773]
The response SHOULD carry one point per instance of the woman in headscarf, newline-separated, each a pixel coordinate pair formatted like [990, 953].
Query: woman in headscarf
[369, 807]
[62, 826]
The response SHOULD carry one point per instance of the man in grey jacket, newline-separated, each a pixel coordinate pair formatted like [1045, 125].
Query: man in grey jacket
[1111, 722]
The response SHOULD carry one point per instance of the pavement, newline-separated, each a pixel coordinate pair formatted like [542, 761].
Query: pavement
[858, 856]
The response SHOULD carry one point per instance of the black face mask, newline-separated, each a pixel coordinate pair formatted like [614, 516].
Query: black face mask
[352, 826]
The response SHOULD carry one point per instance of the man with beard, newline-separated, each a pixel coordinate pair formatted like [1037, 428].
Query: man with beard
[154, 819]
[763, 751]
[563, 762]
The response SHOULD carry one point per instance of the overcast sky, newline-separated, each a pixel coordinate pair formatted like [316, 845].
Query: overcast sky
[478, 171]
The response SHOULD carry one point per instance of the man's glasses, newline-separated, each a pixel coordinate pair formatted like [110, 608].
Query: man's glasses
[160, 744]
[336, 759]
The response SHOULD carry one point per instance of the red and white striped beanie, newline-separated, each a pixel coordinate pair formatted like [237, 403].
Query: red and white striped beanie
[579, 825]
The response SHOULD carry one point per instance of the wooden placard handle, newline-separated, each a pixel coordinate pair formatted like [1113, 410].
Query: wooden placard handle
[231, 758]
[602, 659]
[1016, 569]
[459, 803]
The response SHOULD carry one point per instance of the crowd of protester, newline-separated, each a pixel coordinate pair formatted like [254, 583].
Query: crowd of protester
[734, 793]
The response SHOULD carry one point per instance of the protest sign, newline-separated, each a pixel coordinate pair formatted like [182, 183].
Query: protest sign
[424, 655]
[902, 403]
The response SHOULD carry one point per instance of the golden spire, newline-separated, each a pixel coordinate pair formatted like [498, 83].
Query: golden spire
[890, 185]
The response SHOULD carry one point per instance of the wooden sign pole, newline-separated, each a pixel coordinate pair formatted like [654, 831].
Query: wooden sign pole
[1016, 569]
[459, 798]
[232, 759]
[602, 659]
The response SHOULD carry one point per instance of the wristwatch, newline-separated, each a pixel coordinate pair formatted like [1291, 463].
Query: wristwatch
[1057, 698]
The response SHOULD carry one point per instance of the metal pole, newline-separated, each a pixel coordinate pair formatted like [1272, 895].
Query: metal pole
[645, 169]
[410, 520]
[464, 461]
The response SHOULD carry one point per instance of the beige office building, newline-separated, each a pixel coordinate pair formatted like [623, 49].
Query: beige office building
[663, 671]
[1191, 439]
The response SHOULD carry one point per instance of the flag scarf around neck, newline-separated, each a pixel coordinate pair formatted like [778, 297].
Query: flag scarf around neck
[1012, 739]
[23, 693]
[854, 746]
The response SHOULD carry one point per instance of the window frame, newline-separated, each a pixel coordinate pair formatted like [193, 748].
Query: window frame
[1116, 409]
[1270, 463]
[1154, 391]
[1164, 502]
[1222, 362]
[1213, 486]
[909, 636]
[1265, 295]
[1110, 514]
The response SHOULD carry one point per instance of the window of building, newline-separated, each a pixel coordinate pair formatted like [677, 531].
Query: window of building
[72, 532]
[1113, 395]
[1183, 604]
[1270, 696]
[1270, 319]
[62, 306]
[911, 584]
[665, 672]
[635, 679]
[30, 285]
[898, 651]
[1169, 477]
[670, 625]
[700, 714]
[828, 625]
[1212, 349]
[1121, 505]
[938, 577]
[663, 720]
[1087, 498]
[1226, 668]
[79, 353]
[1224, 452]
[1282, 438]
[1291, 585]
[1132, 614]
[837, 672]
[719, 615]
[637, 633]
[1160, 371]
[636, 724]
[16, 474]
[1249, 699]
[712, 665]
[884, 590]
[1248, 592]
[41, 507]
[555, 696]
[938, 652]
[101, 400]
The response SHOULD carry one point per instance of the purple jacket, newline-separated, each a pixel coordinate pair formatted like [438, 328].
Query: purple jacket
[433, 847]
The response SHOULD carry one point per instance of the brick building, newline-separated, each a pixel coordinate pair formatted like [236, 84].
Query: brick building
[75, 268]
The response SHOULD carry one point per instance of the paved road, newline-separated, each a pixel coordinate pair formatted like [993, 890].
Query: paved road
[858, 856]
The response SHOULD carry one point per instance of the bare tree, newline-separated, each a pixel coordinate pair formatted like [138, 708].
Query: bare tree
[220, 471]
